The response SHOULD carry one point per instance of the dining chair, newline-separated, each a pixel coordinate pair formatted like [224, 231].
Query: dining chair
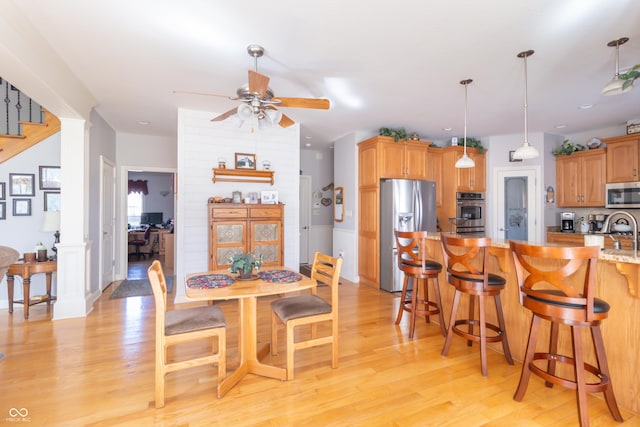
[181, 326]
[139, 243]
[467, 261]
[413, 262]
[563, 294]
[309, 310]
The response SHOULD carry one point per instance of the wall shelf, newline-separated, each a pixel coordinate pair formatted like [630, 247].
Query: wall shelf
[242, 175]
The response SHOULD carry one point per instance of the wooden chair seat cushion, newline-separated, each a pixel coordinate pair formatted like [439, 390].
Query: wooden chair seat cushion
[193, 319]
[428, 265]
[599, 306]
[300, 306]
[493, 279]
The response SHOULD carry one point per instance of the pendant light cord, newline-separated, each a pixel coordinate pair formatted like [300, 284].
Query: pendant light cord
[526, 128]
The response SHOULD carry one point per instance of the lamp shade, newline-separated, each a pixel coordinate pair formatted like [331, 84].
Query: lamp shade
[245, 112]
[465, 162]
[614, 87]
[526, 151]
[50, 221]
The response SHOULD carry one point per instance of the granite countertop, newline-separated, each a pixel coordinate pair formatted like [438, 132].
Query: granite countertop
[615, 255]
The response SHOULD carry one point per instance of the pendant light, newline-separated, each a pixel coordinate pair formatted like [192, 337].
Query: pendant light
[525, 151]
[465, 161]
[614, 87]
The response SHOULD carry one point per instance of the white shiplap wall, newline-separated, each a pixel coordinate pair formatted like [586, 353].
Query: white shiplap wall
[200, 144]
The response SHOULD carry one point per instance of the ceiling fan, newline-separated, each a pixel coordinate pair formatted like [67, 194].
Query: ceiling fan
[259, 101]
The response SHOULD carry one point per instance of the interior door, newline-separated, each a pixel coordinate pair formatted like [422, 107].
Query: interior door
[305, 217]
[517, 204]
[107, 223]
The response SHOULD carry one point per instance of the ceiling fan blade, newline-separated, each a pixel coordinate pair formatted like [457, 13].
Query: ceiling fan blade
[258, 83]
[226, 115]
[202, 94]
[285, 122]
[318, 103]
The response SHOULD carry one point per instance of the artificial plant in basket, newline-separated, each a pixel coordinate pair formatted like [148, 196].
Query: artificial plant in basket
[244, 263]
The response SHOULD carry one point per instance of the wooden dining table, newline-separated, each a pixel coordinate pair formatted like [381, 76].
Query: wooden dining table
[222, 285]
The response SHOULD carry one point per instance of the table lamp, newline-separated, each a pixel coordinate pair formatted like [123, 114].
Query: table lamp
[51, 222]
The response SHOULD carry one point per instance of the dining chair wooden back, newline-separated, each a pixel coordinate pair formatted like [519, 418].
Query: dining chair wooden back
[181, 326]
[413, 262]
[309, 310]
[467, 261]
[562, 292]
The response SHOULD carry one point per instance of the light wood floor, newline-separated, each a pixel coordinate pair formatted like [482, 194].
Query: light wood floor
[99, 371]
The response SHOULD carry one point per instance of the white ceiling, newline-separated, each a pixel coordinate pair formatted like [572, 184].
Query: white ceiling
[381, 63]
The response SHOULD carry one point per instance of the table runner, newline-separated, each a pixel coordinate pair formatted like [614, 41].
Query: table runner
[210, 281]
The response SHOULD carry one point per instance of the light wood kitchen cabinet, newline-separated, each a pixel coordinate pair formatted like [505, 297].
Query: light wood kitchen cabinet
[580, 179]
[245, 228]
[467, 179]
[622, 158]
[402, 159]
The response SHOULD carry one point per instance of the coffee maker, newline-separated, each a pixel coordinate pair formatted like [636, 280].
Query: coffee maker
[566, 221]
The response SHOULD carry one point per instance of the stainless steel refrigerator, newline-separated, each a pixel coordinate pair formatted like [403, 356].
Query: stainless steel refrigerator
[406, 205]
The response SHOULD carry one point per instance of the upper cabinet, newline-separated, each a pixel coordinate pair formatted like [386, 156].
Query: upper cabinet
[402, 159]
[622, 158]
[580, 179]
[467, 179]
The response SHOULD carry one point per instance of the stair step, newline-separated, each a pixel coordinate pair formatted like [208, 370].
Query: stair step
[6, 135]
[23, 122]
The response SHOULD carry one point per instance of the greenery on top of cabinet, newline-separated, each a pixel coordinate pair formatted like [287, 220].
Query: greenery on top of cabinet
[567, 148]
[397, 134]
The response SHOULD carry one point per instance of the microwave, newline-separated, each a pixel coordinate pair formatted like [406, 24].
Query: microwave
[622, 195]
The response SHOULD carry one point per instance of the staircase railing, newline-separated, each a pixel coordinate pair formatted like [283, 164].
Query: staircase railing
[16, 108]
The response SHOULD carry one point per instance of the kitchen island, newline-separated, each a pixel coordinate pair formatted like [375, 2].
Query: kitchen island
[618, 275]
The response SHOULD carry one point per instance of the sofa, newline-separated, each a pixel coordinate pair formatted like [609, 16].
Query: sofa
[7, 257]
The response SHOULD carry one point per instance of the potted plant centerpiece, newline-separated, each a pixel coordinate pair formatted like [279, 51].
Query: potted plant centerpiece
[244, 263]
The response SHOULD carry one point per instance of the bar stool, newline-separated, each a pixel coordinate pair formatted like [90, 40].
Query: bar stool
[462, 255]
[412, 261]
[570, 302]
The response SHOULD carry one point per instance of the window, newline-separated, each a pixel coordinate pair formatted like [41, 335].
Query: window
[134, 209]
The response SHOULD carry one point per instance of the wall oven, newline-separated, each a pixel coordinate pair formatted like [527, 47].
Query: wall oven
[622, 195]
[470, 213]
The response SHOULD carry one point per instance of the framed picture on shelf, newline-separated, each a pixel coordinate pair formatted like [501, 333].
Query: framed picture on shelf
[22, 184]
[50, 177]
[51, 201]
[253, 197]
[245, 161]
[21, 207]
[3, 191]
[3, 210]
[269, 197]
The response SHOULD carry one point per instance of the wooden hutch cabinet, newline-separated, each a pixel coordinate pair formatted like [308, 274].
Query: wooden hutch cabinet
[622, 158]
[580, 179]
[238, 228]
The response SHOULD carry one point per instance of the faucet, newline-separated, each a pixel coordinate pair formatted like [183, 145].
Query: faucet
[606, 227]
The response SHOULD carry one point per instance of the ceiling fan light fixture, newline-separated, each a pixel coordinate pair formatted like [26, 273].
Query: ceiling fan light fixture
[465, 161]
[615, 86]
[245, 112]
[526, 150]
[274, 116]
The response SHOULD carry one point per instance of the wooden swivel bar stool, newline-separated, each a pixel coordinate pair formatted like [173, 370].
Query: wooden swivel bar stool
[563, 294]
[412, 260]
[467, 270]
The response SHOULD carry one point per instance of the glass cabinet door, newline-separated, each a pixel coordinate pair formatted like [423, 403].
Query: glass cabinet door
[229, 238]
[265, 240]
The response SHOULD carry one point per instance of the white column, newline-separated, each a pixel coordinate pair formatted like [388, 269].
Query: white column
[73, 252]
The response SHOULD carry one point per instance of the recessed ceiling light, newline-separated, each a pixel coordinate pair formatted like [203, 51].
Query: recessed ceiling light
[308, 137]
[143, 122]
[447, 129]
[585, 106]
[561, 126]
[307, 145]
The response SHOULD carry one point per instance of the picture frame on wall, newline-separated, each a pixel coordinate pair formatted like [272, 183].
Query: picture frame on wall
[51, 201]
[269, 197]
[50, 177]
[245, 161]
[3, 191]
[22, 184]
[21, 207]
[3, 210]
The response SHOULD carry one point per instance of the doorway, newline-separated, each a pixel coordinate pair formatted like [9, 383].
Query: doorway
[157, 209]
[305, 217]
[518, 211]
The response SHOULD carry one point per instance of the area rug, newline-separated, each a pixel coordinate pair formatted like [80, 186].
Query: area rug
[137, 288]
